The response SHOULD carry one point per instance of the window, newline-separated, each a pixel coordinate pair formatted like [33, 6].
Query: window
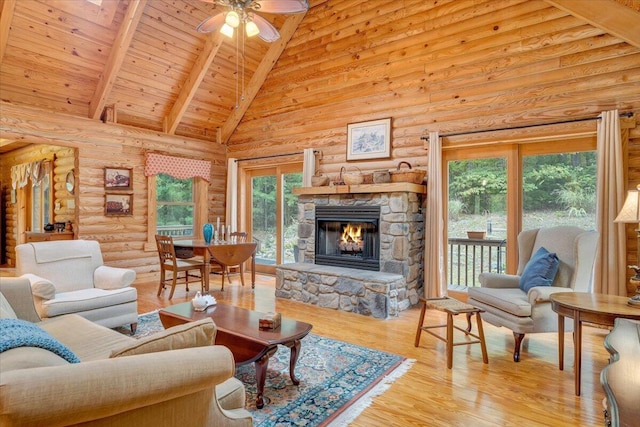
[40, 210]
[502, 190]
[175, 206]
[271, 212]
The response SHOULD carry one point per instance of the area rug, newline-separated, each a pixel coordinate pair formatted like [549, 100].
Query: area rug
[338, 380]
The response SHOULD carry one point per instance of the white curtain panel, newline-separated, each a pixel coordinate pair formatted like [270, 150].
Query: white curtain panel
[434, 272]
[610, 267]
[231, 217]
[308, 166]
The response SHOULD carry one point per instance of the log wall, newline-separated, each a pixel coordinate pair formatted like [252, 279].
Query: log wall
[447, 66]
[450, 66]
[123, 239]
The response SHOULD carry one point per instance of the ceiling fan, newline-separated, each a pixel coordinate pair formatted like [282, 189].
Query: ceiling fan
[243, 11]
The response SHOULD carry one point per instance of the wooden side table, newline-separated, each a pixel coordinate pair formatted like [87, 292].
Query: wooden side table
[452, 307]
[599, 309]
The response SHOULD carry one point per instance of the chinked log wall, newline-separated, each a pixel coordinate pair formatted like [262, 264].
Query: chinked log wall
[451, 66]
[99, 145]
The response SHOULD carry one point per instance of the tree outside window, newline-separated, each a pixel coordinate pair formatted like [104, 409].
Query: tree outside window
[174, 206]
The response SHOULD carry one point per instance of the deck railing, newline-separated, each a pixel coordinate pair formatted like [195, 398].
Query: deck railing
[175, 230]
[470, 257]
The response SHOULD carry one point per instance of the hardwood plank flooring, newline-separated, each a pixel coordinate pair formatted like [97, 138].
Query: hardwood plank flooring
[502, 393]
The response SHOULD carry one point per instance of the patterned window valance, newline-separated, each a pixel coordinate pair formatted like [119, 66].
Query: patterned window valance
[35, 171]
[177, 167]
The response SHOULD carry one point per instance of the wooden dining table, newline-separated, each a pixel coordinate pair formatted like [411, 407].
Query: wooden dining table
[226, 253]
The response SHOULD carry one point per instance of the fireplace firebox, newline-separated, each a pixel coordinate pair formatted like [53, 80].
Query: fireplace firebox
[348, 236]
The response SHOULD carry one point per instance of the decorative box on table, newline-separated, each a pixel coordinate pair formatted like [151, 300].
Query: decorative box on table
[270, 321]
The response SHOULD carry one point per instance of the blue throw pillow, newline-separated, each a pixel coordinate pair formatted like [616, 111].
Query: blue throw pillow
[540, 270]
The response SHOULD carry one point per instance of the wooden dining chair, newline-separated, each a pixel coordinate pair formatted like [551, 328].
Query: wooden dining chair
[169, 262]
[235, 237]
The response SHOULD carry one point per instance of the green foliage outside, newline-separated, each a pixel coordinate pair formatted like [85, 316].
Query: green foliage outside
[174, 198]
[558, 182]
[264, 214]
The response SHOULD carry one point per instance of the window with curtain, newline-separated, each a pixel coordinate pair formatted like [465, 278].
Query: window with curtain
[177, 196]
[496, 192]
[40, 202]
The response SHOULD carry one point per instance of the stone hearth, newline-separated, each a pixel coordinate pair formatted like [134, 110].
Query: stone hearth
[397, 285]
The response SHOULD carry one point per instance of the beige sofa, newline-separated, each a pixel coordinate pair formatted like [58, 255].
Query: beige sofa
[68, 276]
[120, 381]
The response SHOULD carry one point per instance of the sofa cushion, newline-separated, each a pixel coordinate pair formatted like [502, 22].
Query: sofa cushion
[88, 340]
[87, 299]
[29, 357]
[192, 334]
[6, 311]
[510, 300]
[16, 333]
[540, 270]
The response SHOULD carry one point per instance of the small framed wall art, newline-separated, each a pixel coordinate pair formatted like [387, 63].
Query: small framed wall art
[117, 204]
[118, 179]
[369, 140]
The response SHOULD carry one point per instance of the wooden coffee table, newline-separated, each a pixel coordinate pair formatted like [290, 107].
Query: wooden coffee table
[237, 329]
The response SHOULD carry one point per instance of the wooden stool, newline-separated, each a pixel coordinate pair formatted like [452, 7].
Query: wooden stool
[452, 307]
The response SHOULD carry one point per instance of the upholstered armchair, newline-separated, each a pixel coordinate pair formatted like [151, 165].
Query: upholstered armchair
[68, 276]
[529, 311]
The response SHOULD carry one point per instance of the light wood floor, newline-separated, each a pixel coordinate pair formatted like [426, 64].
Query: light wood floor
[503, 393]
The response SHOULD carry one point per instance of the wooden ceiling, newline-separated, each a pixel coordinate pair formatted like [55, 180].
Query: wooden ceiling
[144, 60]
[143, 57]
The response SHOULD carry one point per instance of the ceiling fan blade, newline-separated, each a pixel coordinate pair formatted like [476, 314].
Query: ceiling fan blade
[268, 32]
[283, 6]
[211, 24]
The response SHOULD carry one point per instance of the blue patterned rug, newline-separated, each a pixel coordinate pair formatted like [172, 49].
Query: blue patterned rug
[337, 380]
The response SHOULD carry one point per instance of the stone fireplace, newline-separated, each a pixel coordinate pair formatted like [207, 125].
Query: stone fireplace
[361, 248]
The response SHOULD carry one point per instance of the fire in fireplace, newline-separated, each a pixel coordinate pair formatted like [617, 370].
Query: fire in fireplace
[348, 236]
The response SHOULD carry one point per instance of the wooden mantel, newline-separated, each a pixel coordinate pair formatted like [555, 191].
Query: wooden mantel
[393, 187]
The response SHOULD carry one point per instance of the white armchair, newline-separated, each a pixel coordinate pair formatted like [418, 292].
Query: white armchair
[507, 305]
[68, 276]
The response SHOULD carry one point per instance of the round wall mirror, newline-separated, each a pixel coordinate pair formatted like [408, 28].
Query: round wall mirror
[70, 181]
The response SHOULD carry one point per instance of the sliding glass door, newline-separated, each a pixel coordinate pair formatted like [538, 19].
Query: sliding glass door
[272, 213]
[494, 192]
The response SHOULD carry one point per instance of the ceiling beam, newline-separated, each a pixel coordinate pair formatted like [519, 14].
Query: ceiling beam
[116, 57]
[608, 15]
[190, 86]
[260, 75]
[6, 16]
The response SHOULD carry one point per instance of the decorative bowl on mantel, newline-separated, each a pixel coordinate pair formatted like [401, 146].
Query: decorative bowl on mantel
[476, 234]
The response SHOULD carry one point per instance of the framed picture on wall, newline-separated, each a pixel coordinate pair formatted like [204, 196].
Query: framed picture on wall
[118, 179]
[369, 140]
[117, 204]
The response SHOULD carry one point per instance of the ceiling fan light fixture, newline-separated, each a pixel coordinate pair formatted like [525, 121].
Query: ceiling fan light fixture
[232, 19]
[227, 30]
[252, 29]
